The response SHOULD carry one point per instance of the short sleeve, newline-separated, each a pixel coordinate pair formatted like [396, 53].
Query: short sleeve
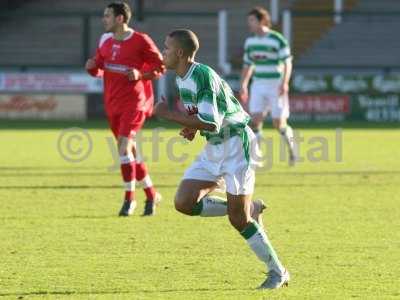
[284, 50]
[246, 54]
[208, 109]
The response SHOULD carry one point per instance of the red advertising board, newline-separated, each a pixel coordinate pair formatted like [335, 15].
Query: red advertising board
[320, 104]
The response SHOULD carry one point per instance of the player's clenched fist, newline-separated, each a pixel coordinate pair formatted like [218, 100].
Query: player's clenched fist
[188, 133]
[90, 64]
[134, 74]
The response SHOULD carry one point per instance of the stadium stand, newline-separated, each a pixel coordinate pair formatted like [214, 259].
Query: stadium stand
[57, 40]
[41, 34]
[207, 29]
[354, 42]
[308, 29]
[47, 39]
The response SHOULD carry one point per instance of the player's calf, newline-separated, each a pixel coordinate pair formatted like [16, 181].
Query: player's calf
[239, 207]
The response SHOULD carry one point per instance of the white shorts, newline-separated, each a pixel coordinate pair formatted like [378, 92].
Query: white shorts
[265, 98]
[227, 161]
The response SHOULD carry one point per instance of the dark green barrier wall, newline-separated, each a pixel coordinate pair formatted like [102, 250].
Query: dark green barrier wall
[373, 98]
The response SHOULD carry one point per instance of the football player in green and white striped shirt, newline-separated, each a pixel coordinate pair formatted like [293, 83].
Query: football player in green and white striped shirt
[229, 153]
[267, 58]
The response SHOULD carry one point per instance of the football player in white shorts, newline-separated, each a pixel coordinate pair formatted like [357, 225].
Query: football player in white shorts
[267, 60]
[213, 110]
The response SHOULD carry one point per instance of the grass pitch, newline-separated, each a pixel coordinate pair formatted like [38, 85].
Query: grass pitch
[335, 224]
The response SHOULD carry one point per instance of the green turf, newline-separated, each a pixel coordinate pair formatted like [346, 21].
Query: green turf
[334, 224]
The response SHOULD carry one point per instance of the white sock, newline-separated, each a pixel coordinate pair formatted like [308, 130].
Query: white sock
[146, 182]
[260, 244]
[210, 206]
[287, 134]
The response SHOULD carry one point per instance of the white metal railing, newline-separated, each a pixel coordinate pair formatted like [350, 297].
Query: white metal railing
[338, 8]
[287, 25]
[287, 19]
[274, 9]
[223, 62]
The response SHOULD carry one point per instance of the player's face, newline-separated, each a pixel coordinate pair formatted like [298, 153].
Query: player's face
[253, 23]
[170, 53]
[109, 20]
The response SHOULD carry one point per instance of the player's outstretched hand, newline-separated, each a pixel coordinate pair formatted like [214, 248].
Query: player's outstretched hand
[161, 108]
[90, 64]
[134, 74]
[188, 133]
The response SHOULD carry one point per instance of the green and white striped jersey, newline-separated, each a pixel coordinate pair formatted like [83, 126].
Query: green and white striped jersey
[203, 91]
[266, 53]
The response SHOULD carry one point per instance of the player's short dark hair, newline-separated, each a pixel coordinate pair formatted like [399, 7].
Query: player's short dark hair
[121, 8]
[261, 14]
[187, 40]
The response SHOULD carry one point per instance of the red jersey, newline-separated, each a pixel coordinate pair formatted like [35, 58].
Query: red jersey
[115, 58]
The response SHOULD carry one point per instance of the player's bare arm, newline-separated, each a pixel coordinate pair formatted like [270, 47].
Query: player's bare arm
[244, 84]
[189, 121]
[287, 72]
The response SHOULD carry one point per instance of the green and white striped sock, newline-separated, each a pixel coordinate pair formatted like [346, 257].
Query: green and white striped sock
[210, 206]
[260, 244]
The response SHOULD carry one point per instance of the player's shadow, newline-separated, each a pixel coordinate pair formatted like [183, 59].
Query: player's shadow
[266, 185]
[161, 291]
[67, 217]
[47, 168]
[19, 173]
[71, 187]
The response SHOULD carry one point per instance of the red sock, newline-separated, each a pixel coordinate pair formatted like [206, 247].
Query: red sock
[128, 172]
[141, 174]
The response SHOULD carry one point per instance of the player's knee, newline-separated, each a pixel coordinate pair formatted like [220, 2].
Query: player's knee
[123, 150]
[255, 128]
[125, 146]
[279, 123]
[183, 205]
[256, 122]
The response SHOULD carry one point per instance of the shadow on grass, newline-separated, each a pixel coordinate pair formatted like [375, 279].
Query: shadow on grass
[54, 293]
[264, 185]
[78, 174]
[72, 187]
[58, 217]
[42, 168]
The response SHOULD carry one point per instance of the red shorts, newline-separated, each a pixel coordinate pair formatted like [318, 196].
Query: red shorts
[127, 123]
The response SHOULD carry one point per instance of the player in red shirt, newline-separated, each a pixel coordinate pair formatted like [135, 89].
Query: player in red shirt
[127, 60]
